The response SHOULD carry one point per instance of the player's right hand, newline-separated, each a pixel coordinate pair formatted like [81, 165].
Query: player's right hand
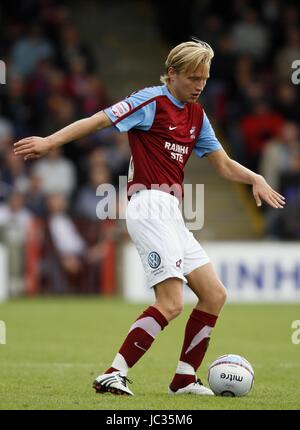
[32, 147]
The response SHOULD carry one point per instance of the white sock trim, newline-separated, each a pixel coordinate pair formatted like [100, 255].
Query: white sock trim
[184, 369]
[120, 364]
[202, 334]
[149, 324]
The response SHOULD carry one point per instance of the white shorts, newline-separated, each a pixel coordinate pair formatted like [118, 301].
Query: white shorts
[166, 247]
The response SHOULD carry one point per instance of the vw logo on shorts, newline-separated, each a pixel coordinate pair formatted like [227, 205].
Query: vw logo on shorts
[154, 260]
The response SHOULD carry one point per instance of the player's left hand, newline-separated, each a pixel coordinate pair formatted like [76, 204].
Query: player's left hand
[263, 192]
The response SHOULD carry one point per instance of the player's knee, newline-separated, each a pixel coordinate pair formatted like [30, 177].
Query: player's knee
[223, 295]
[177, 308]
[219, 295]
[169, 297]
[173, 308]
[175, 312]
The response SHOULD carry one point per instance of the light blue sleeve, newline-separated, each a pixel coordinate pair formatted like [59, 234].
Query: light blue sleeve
[207, 141]
[136, 111]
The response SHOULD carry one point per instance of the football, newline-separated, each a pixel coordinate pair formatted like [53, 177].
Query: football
[230, 375]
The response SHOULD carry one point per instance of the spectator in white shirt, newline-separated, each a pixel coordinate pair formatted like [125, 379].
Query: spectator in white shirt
[58, 174]
[15, 221]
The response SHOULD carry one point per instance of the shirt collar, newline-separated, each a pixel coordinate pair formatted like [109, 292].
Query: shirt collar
[167, 93]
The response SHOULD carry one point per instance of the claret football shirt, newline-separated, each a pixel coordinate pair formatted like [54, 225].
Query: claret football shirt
[162, 134]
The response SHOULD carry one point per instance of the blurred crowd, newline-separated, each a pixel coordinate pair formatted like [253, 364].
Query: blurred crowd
[251, 96]
[53, 80]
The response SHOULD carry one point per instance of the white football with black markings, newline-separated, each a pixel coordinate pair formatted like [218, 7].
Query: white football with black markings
[231, 375]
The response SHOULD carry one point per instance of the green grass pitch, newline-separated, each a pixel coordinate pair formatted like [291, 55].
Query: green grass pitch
[55, 347]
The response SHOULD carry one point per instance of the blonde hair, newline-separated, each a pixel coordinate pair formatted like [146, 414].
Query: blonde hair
[187, 56]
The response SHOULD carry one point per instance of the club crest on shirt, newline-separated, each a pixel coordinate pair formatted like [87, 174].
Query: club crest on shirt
[192, 132]
[120, 109]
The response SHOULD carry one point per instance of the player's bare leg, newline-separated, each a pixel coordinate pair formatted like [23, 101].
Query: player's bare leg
[168, 304]
[211, 298]
[208, 288]
[169, 297]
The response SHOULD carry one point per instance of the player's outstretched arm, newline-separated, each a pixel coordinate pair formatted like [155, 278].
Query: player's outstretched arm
[230, 169]
[35, 147]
